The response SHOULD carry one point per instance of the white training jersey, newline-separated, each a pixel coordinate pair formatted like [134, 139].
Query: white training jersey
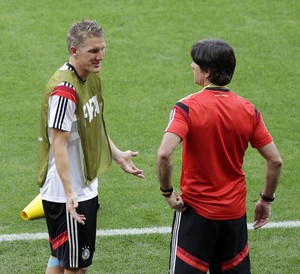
[61, 115]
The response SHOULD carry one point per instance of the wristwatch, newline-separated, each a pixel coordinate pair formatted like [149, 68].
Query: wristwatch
[267, 199]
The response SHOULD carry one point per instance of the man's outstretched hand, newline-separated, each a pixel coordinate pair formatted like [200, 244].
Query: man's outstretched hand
[124, 161]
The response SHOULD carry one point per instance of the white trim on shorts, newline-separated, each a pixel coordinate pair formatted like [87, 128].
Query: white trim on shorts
[73, 240]
[174, 242]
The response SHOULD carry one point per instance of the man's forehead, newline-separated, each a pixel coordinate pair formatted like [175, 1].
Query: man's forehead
[94, 41]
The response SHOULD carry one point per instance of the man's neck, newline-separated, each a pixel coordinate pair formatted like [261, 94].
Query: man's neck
[77, 70]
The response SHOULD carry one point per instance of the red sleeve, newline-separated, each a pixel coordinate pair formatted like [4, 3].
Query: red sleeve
[260, 136]
[178, 122]
[65, 91]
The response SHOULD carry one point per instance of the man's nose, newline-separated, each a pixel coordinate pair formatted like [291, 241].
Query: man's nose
[100, 55]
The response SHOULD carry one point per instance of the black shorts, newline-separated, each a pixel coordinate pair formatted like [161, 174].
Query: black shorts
[72, 243]
[199, 244]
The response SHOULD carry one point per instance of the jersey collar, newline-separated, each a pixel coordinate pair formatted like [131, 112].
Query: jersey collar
[216, 88]
[71, 67]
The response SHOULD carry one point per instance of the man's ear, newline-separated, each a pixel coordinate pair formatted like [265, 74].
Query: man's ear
[207, 73]
[73, 51]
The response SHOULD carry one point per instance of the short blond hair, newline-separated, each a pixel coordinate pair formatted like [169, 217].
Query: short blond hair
[79, 31]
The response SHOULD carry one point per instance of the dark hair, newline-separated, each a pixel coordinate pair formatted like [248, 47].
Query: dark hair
[217, 57]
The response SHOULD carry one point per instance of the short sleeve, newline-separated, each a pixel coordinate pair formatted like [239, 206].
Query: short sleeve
[260, 136]
[62, 106]
[178, 121]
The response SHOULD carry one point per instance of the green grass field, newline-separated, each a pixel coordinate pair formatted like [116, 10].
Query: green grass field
[145, 71]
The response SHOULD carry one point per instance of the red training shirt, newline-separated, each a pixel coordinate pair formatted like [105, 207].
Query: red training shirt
[216, 126]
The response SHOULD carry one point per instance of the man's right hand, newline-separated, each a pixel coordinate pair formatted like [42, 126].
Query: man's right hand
[175, 201]
[72, 204]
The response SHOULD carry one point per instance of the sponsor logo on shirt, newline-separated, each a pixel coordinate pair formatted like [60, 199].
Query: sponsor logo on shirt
[91, 108]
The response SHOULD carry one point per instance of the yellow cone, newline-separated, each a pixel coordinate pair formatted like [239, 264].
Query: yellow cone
[33, 210]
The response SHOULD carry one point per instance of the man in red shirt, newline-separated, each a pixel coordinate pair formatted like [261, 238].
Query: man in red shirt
[215, 127]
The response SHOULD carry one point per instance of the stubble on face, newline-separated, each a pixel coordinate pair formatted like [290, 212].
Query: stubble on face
[90, 56]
